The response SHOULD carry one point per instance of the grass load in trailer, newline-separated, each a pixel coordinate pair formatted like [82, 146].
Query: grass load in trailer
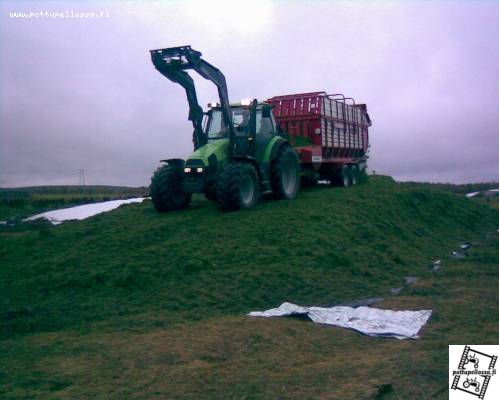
[330, 135]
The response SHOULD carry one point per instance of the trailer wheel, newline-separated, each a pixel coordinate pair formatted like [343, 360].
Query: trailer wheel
[238, 186]
[285, 174]
[345, 176]
[167, 193]
[354, 175]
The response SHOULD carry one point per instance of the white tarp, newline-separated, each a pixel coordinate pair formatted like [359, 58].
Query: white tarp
[82, 212]
[472, 194]
[367, 320]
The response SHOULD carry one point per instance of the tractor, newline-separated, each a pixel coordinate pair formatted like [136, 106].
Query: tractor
[472, 359]
[473, 383]
[240, 153]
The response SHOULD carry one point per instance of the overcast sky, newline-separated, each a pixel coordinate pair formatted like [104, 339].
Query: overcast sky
[83, 93]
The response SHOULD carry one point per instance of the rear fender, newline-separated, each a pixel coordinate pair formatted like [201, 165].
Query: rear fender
[250, 160]
[273, 147]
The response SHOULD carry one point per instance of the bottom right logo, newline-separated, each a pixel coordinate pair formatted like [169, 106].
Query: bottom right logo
[472, 372]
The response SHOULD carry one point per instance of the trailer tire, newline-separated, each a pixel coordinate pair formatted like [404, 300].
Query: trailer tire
[238, 186]
[166, 189]
[345, 176]
[354, 175]
[285, 174]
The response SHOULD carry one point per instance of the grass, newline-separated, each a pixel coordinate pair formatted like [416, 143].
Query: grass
[492, 202]
[135, 304]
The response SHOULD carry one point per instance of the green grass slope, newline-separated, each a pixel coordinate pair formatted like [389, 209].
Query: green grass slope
[136, 269]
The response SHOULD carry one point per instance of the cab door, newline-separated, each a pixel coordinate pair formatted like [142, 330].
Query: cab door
[245, 131]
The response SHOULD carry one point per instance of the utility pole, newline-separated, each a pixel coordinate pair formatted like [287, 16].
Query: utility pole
[81, 181]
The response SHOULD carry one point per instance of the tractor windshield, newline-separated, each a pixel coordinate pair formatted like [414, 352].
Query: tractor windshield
[216, 129]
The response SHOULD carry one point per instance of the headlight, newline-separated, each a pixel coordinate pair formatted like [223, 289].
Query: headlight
[187, 170]
[199, 170]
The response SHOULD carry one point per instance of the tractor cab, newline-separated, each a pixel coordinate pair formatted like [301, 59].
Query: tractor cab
[253, 123]
[215, 128]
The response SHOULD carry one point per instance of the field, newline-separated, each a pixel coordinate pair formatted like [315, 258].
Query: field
[134, 304]
[492, 202]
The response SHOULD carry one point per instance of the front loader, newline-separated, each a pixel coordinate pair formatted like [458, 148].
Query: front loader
[238, 153]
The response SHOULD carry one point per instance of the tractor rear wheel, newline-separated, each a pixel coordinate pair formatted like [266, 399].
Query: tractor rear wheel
[285, 174]
[238, 186]
[167, 193]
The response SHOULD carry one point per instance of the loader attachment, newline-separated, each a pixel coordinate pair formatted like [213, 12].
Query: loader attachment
[173, 63]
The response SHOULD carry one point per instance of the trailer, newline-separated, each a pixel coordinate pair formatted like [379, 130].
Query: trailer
[329, 133]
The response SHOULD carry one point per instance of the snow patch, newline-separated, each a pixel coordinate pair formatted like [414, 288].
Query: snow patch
[82, 212]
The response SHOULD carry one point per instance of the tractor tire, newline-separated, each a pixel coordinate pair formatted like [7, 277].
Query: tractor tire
[285, 174]
[354, 175]
[167, 193]
[238, 186]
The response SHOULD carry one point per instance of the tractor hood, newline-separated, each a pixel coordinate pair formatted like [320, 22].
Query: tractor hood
[212, 155]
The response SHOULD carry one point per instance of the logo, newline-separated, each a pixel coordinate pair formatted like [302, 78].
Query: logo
[472, 372]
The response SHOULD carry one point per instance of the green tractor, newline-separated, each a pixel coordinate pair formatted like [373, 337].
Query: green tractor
[239, 154]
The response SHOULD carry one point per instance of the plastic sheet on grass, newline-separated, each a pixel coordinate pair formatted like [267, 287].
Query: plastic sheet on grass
[369, 321]
[81, 212]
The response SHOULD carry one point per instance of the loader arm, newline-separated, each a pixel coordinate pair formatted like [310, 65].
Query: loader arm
[172, 63]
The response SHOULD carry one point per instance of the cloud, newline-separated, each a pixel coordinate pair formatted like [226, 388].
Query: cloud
[82, 93]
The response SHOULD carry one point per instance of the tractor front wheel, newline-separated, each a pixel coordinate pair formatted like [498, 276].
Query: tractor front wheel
[238, 186]
[167, 193]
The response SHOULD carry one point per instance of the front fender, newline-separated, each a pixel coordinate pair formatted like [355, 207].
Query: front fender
[174, 162]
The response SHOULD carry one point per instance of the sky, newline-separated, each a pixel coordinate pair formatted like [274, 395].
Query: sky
[82, 93]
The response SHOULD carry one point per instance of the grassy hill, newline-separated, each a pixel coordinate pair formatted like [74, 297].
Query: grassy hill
[76, 295]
